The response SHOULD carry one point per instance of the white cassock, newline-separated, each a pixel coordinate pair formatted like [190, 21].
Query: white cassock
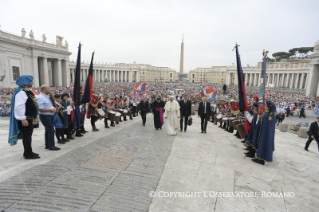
[171, 117]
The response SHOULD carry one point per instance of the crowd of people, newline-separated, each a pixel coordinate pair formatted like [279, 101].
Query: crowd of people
[63, 115]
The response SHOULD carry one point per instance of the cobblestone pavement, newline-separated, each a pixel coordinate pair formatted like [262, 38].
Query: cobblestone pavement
[113, 173]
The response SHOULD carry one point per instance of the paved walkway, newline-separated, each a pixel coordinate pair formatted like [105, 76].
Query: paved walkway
[117, 169]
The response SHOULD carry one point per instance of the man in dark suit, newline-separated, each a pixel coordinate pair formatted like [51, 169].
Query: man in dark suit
[143, 109]
[185, 111]
[313, 133]
[204, 112]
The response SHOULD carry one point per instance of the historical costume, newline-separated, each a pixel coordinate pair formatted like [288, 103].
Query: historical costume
[59, 132]
[111, 108]
[172, 116]
[94, 115]
[105, 108]
[23, 116]
[264, 141]
[252, 117]
[64, 97]
[158, 107]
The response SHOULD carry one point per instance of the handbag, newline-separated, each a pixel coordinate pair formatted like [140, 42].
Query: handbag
[57, 123]
[190, 122]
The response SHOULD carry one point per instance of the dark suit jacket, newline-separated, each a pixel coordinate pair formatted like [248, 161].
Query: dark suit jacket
[144, 106]
[313, 129]
[185, 109]
[201, 109]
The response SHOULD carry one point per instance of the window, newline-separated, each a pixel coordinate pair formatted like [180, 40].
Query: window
[16, 72]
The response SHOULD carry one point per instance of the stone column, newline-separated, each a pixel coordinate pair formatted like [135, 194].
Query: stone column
[113, 75]
[138, 76]
[273, 78]
[297, 80]
[292, 81]
[251, 79]
[35, 67]
[45, 70]
[301, 81]
[59, 72]
[65, 73]
[117, 75]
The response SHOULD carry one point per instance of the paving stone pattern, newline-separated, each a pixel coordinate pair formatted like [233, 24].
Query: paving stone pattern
[110, 174]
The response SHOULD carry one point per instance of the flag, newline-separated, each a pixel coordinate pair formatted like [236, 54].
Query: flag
[208, 91]
[76, 92]
[76, 85]
[89, 84]
[243, 105]
[140, 89]
[261, 107]
[35, 93]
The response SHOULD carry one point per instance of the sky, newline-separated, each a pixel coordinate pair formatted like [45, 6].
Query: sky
[150, 31]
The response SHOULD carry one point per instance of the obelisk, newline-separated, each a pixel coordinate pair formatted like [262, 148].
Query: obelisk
[181, 65]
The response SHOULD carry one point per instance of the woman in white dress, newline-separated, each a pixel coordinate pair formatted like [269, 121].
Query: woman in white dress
[171, 116]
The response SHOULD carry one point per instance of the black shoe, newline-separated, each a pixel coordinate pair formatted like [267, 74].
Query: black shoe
[107, 127]
[117, 122]
[248, 148]
[143, 124]
[262, 162]
[184, 130]
[205, 131]
[121, 121]
[181, 130]
[112, 125]
[156, 128]
[61, 142]
[243, 141]
[54, 148]
[46, 147]
[70, 138]
[32, 156]
[202, 132]
[65, 140]
[131, 118]
[306, 149]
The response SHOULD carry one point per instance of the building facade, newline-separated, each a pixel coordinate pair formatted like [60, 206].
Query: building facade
[47, 63]
[302, 74]
[211, 75]
[121, 72]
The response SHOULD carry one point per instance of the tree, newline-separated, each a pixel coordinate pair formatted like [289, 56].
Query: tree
[271, 60]
[305, 50]
[302, 51]
[281, 55]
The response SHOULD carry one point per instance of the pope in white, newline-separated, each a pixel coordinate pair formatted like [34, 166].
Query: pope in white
[171, 116]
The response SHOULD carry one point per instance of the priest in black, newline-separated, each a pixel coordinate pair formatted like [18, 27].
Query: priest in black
[157, 110]
[143, 109]
[185, 112]
[204, 112]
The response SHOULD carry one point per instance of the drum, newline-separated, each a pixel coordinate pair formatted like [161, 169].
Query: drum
[225, 119]
[129, 113]
[219, 116]
[241, 130]
[235, 122]
[124, 113]
[231, 119]
[112, 116]
[117, 117]
[215, 119]
[101, 112]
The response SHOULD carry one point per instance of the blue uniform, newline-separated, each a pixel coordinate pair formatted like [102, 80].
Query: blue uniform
[264, 141]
